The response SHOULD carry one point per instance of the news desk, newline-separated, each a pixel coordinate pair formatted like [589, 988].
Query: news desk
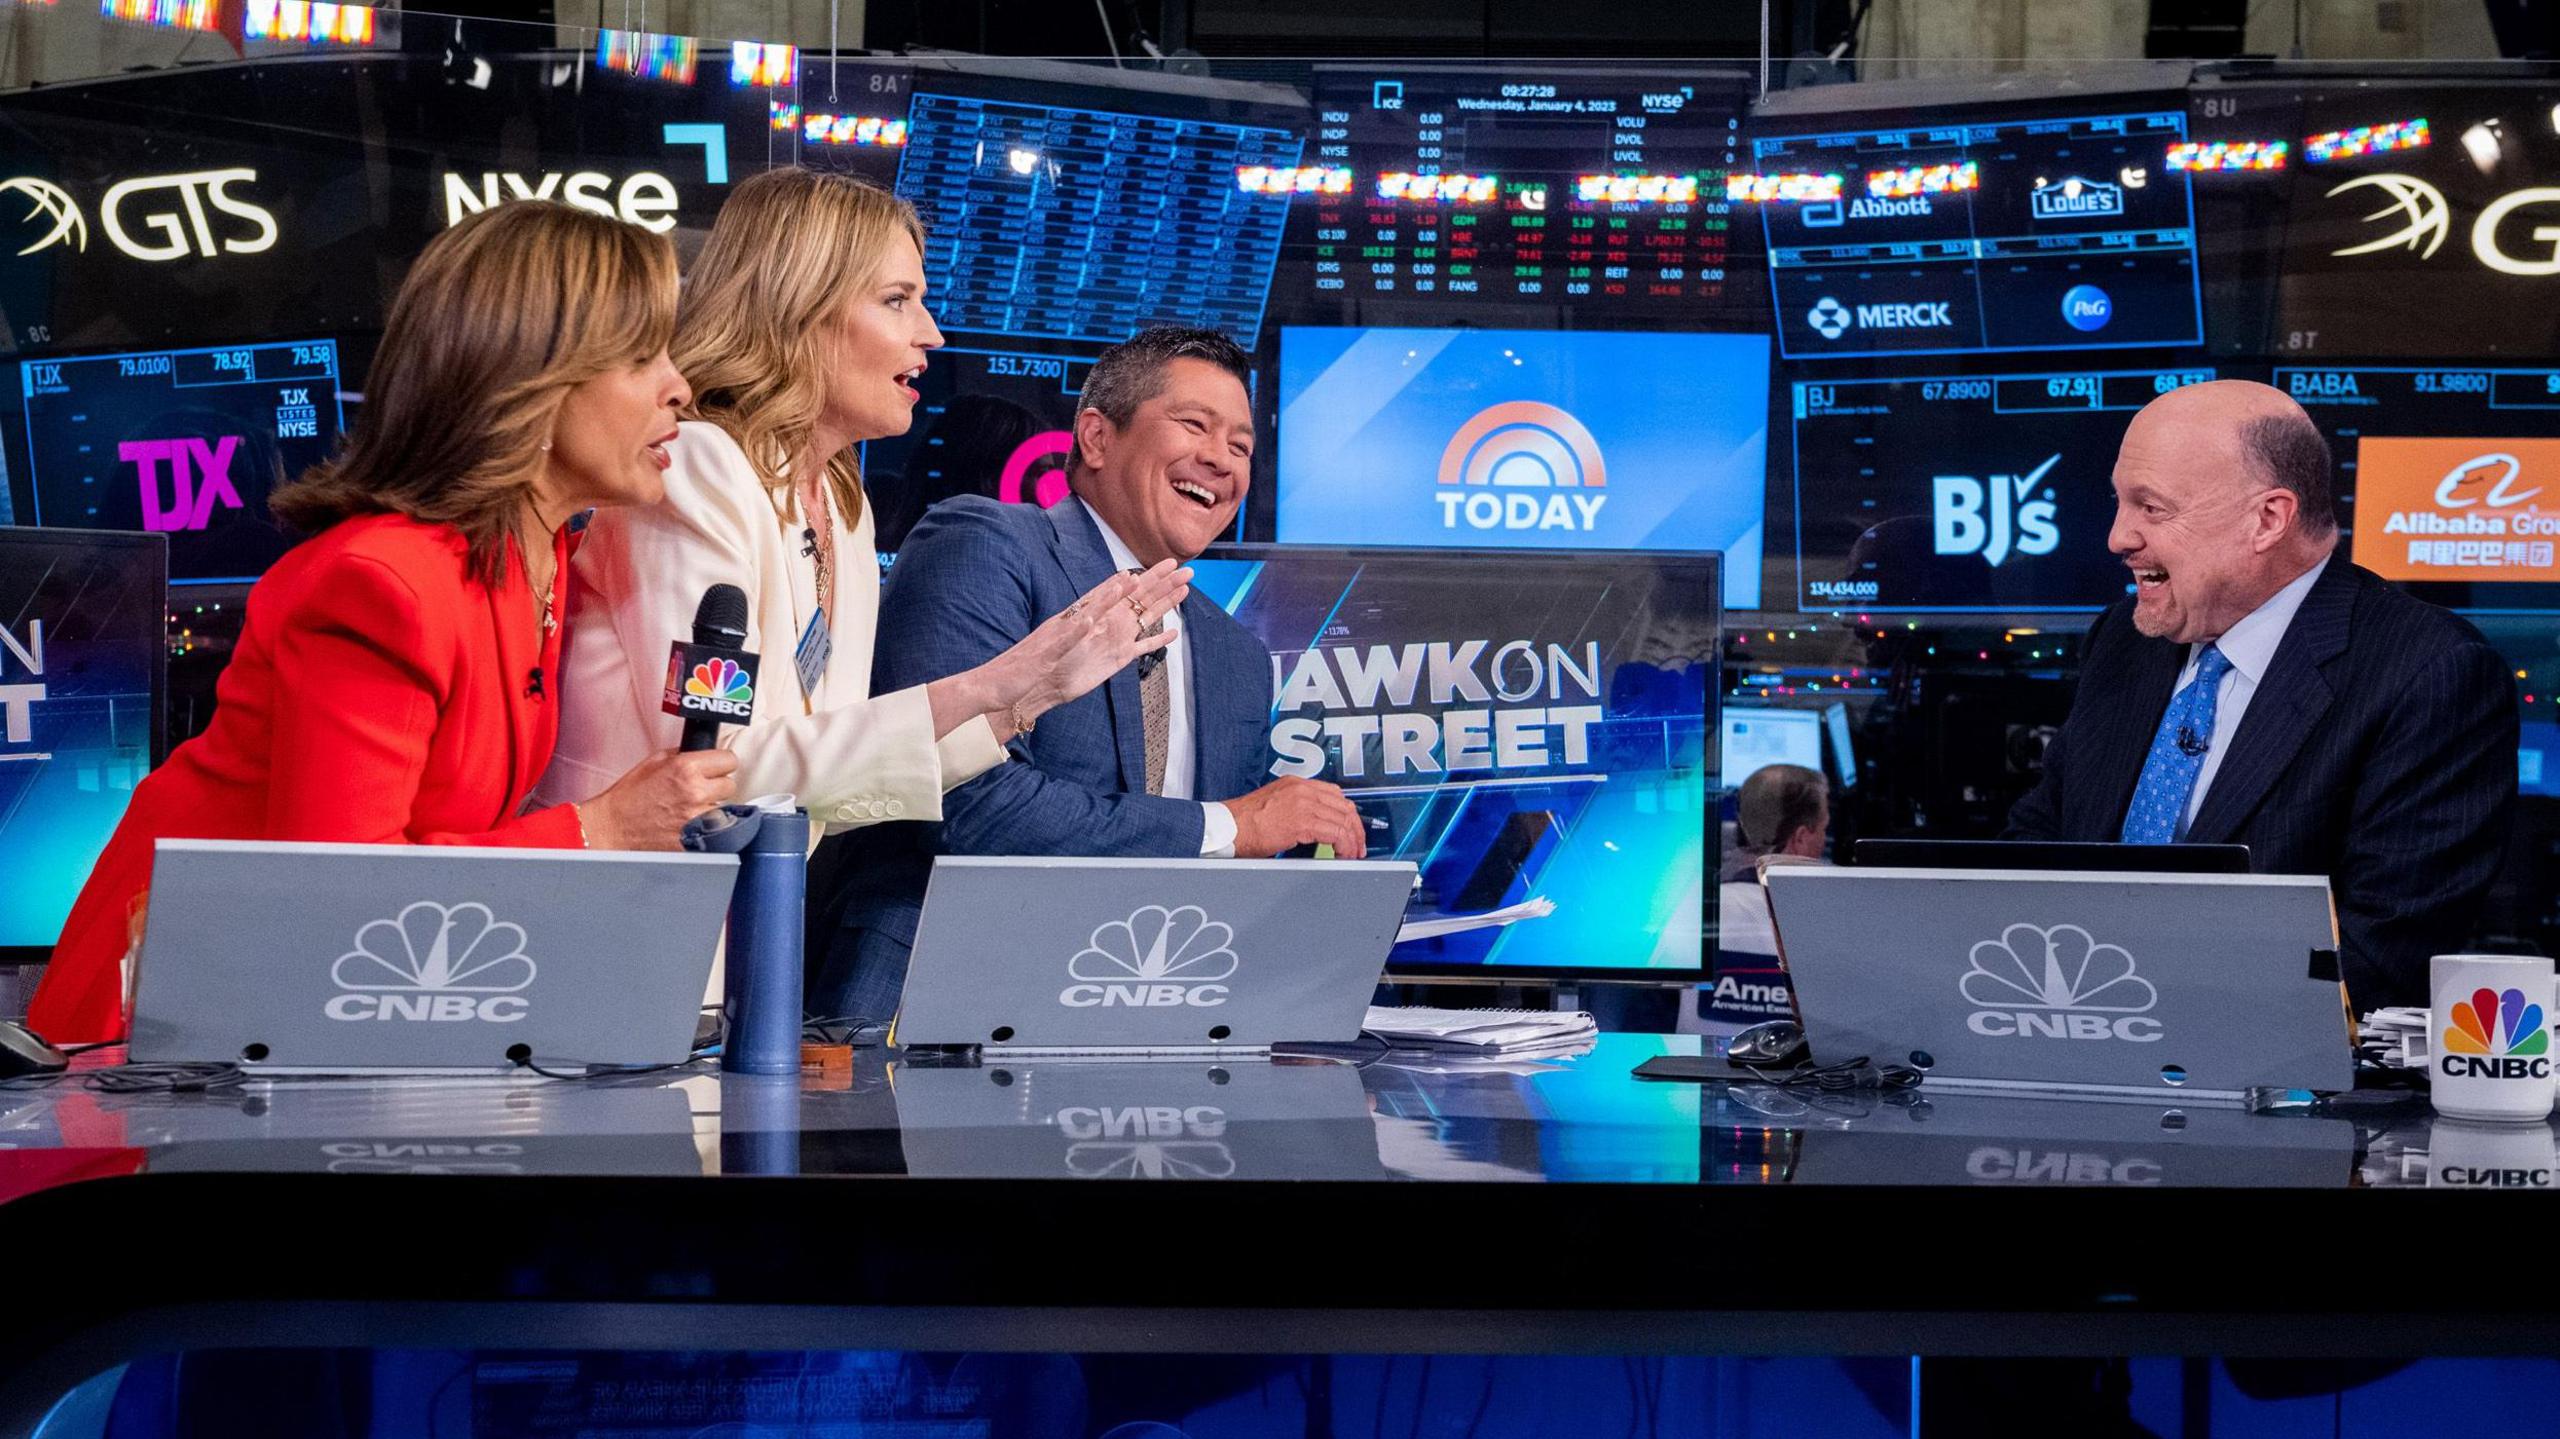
[1403, 1205]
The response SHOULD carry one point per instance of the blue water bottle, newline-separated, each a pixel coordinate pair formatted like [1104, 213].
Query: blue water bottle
[760, 996]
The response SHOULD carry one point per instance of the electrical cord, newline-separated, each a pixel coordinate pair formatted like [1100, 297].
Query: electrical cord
[165, 1078]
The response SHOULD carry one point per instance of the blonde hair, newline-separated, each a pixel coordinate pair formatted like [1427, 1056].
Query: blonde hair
[789, 250]
[498, 320]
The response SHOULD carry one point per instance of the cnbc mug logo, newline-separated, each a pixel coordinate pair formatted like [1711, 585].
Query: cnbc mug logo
[434, 962]
[2057, 983]
[1155, 958]
[1996, 516]
[2497, 1036]
[1522, 446]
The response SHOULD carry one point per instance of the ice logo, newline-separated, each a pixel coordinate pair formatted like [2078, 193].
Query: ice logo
[1829, 318]
[434, 962]
[2057, 983]
[720, 680]
[1522, 445]
[55, 204]
[2477, 1045]
[1155, 958]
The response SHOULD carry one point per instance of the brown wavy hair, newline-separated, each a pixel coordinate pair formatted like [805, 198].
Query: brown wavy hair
[790, 249]
[498, 320]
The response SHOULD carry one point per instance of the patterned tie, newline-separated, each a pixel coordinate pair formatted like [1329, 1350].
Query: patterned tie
[2177, 756]
[1155, 706]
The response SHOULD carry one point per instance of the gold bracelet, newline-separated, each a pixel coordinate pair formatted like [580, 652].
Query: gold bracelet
[1021, 726]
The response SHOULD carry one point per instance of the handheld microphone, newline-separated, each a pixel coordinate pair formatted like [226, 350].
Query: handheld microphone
[2191, 744]
[712, 681]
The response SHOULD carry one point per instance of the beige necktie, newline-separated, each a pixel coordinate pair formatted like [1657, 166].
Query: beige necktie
[1155, 707]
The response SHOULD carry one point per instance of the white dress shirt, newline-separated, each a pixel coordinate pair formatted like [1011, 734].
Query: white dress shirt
[2250, 645]
[1217, 826]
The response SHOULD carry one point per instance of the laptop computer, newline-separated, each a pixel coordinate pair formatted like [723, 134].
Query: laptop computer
[2199, 986]
[2051, 855]
[358, 958]
[1052, 955]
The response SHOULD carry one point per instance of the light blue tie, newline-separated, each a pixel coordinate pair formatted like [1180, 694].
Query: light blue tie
[2169, 774]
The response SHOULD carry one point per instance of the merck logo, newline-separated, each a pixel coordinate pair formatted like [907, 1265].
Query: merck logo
[1522, 445]
[1155, 958]
[2057, 983]
[199, 479]
[2478, 1045]
[434, 962]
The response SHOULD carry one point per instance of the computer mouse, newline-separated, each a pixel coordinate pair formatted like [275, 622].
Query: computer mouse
[1765, 1045]
[21, 1052]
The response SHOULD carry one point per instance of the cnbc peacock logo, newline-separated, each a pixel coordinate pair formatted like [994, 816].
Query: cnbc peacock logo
[2497, 1036]
[1522, 465]
[718, 687]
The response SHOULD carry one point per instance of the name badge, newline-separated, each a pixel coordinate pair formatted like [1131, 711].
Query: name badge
[817, 646]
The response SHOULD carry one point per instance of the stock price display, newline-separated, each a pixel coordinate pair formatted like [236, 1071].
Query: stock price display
[2018, 235]
[186, 443]
[2449, 476]
[1442, 188]
[1981, 493]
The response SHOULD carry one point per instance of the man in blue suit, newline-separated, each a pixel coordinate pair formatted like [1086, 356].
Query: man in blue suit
[1166, 760]
[2260, 689]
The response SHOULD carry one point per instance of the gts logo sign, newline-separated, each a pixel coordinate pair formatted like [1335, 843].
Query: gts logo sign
[1994, 517]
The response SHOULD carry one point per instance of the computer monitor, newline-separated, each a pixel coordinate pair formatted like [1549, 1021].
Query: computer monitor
[1844, 757]
[83, 664]
[1758, 736]
[1523, 727]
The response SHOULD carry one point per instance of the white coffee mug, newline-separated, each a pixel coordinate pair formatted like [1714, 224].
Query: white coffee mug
[2465, 1155]
[2492, 1031]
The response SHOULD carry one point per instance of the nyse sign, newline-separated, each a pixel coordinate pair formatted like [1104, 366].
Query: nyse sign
[158, 217]
[646, 199]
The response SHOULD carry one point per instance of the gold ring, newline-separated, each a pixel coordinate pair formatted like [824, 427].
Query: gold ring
[1074, 609]
[1139, 610]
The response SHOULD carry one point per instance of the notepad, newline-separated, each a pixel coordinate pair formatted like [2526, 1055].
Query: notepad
[1481, 1031]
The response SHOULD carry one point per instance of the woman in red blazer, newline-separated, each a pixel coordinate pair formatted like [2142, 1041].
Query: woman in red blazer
[392, 682]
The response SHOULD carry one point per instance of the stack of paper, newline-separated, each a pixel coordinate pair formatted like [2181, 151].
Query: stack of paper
[2394, 1038]
[1479, 1031]
[1433, 926]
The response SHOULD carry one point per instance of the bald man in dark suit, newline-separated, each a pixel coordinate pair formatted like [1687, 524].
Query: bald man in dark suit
[2260, 689]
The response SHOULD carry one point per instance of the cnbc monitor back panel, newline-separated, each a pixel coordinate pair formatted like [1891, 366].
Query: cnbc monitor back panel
[1529, 729]
[83, 668]
[2201, 986]
[365, 957]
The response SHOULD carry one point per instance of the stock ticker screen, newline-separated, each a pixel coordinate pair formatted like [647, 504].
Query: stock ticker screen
[2064, 232]
[1982, 493]
[987, 422]
[2450, 477]
[186, 443]
[1429, 191]
[1086, 225]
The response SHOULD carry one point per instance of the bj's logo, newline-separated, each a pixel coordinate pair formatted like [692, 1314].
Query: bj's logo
[2497, 1036]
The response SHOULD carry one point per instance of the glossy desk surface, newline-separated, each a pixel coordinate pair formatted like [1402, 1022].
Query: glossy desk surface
[1405, 1203]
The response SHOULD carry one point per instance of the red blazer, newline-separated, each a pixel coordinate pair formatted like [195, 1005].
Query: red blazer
[379, 695]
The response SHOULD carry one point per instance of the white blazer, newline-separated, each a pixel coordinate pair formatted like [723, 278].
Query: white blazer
[851, 759]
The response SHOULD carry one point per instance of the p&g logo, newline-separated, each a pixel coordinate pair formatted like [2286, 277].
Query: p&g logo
[2477, 1044]
[1157, 957]
[1522, 445]
[2057, 983]
[434, 962]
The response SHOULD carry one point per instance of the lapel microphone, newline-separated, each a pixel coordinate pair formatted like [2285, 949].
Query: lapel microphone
[533, 683]
[809, 543]
[2191, 744]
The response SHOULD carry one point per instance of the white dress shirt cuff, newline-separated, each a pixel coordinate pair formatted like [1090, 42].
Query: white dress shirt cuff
[1217, 832]
[968, 752]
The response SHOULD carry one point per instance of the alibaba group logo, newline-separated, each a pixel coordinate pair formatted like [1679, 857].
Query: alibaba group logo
[720, 680]
[1523, 443]
[2476, 1028]
[2460, 486]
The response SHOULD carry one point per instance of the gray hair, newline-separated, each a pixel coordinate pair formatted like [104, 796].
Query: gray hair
[1777, 800]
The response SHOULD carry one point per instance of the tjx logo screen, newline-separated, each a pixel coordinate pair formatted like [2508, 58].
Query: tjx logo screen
[1986, 492]
[183, 442]
[1526, 439]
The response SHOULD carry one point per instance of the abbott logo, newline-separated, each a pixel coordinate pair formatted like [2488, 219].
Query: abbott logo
[2057, 983]
[434, 962]
[1990, 518]
[1155, 958]
[1522, 445]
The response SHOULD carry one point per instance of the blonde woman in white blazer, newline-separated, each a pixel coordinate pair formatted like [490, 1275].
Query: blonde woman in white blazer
[802, 327]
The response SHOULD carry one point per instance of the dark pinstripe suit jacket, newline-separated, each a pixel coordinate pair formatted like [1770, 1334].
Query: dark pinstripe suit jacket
[2380, 750]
